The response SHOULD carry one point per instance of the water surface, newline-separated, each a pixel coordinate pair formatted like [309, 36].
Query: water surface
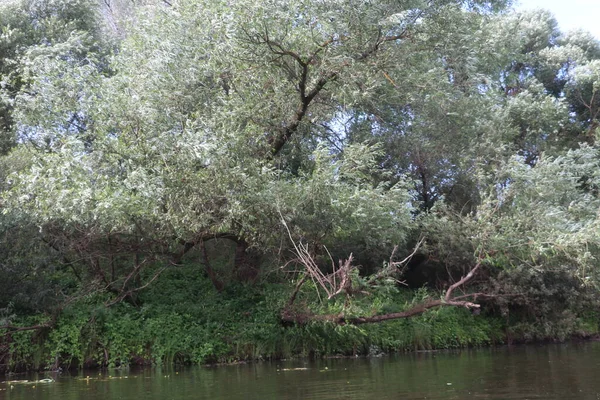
[567, 371]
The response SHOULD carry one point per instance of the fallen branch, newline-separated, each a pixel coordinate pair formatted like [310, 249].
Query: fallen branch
[302, 318]
[293, 316]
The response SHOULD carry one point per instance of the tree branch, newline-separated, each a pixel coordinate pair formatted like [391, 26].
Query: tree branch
[13, 328]
[288, 315]
[333, 288]
[307, 96]
[462, 281]
[124, 294]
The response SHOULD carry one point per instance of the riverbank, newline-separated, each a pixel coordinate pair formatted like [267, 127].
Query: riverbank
[516, 372]
[183, 320]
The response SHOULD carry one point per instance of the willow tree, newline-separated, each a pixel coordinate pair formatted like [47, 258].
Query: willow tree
[313, 128]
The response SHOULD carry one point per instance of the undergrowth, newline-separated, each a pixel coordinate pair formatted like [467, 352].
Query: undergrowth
[182, 319]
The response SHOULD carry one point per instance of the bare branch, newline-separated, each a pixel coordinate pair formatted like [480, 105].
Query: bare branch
[123, 295]
[396, 267]
[333, 287]
[339, 281]
[462, 281]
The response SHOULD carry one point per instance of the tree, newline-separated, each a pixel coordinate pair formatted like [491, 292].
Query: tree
[360, 126]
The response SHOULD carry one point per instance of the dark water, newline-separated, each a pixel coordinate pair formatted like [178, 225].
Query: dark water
[569, 371]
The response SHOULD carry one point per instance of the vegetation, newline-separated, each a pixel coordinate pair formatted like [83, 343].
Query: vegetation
[205, 180]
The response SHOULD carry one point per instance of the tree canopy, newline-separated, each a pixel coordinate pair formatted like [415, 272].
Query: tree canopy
[457, 136]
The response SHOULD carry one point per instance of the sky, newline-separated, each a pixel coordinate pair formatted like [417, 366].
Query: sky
[570, 14]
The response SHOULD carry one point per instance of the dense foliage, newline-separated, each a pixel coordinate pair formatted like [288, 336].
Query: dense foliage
[434, 147]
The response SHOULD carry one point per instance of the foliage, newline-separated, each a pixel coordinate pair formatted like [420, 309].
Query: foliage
[199, 327]
[153, 153]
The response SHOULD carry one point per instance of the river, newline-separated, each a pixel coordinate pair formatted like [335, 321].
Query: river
[565, 371]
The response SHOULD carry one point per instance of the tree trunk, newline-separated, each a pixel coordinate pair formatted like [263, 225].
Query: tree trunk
[245, 262]
[210, 272]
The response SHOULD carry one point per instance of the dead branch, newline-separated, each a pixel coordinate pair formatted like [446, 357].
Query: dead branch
[340, 281]
[301, 318]
[396, 268]
[462, 281]
[333, 287]
[337, 282]
[345, 279]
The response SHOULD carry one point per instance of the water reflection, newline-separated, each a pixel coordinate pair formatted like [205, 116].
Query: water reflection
[523, 372]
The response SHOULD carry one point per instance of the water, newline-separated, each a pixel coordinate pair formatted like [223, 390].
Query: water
[568, 371]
